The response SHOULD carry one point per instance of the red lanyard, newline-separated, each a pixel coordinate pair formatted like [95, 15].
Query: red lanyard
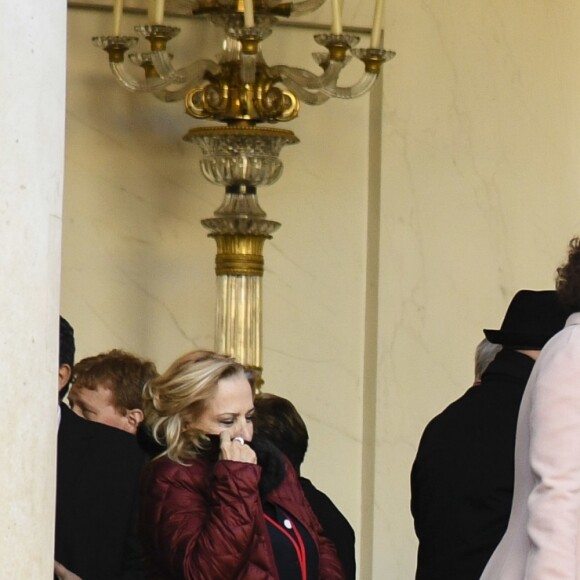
[296, 540]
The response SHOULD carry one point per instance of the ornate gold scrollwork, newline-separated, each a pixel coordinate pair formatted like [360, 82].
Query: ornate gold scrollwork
[225, 97]
[194, 104]
[275, 104]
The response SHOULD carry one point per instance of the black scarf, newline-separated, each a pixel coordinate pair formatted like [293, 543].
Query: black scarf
[270, 459]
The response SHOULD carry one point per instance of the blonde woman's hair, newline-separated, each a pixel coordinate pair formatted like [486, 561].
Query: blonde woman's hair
[174, 401]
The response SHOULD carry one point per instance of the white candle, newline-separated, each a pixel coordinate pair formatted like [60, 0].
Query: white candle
[159, 12]
[249, 13]
[336, 27]
[155, 10]
[117, 13]
[377, 25]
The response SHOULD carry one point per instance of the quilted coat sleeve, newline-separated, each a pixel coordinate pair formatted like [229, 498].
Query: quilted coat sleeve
[194, 529]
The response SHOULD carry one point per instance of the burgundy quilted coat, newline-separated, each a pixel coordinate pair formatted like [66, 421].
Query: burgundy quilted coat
[205, 522]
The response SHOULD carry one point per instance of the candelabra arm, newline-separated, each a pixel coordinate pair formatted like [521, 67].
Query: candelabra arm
[151, 84]
[308, 97]
[308, 80]
[363, 85]
[162, 62]
[194, 74]
[158, 36]
[116, 47]
[373, 58]
[308, 86]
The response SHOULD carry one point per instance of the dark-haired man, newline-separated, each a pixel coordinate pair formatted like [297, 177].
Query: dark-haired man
[98, 470]
[463, 476]
[66, 356]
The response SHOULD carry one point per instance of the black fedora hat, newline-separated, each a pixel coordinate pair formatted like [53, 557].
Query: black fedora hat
[532, 318]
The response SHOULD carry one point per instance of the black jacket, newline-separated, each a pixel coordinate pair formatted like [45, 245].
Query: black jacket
[463, 476]
[98, 471]
[335, 526]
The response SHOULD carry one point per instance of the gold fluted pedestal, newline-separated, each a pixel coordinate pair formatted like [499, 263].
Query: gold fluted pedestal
[240, 229]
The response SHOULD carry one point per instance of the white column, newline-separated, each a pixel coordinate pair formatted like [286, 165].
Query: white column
[32, 111]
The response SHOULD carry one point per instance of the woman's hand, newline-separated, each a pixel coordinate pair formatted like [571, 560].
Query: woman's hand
[235, 450]
[63, 573]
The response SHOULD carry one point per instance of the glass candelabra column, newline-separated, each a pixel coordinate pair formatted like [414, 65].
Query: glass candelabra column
[240, 158]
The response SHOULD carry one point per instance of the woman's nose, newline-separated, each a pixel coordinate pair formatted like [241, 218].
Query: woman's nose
[246, 431]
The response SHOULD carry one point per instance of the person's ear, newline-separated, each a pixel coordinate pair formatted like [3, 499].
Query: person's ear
[134, 417]
[64, 374]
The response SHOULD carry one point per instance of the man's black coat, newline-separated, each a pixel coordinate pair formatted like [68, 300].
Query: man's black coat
[335, 526]
[98, 471]
[463, 476]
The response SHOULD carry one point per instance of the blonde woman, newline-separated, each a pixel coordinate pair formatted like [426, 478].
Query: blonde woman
[217, 504]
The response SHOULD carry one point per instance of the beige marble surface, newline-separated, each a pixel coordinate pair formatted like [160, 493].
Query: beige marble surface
[480, 195]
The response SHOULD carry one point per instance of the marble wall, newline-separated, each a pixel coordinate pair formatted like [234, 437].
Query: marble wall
[410, 217]
[479, 197]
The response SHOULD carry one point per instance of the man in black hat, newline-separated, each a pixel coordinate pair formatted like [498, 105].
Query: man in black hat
[463, 476]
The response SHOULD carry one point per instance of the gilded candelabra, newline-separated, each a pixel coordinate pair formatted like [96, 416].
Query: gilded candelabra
[243, 93]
